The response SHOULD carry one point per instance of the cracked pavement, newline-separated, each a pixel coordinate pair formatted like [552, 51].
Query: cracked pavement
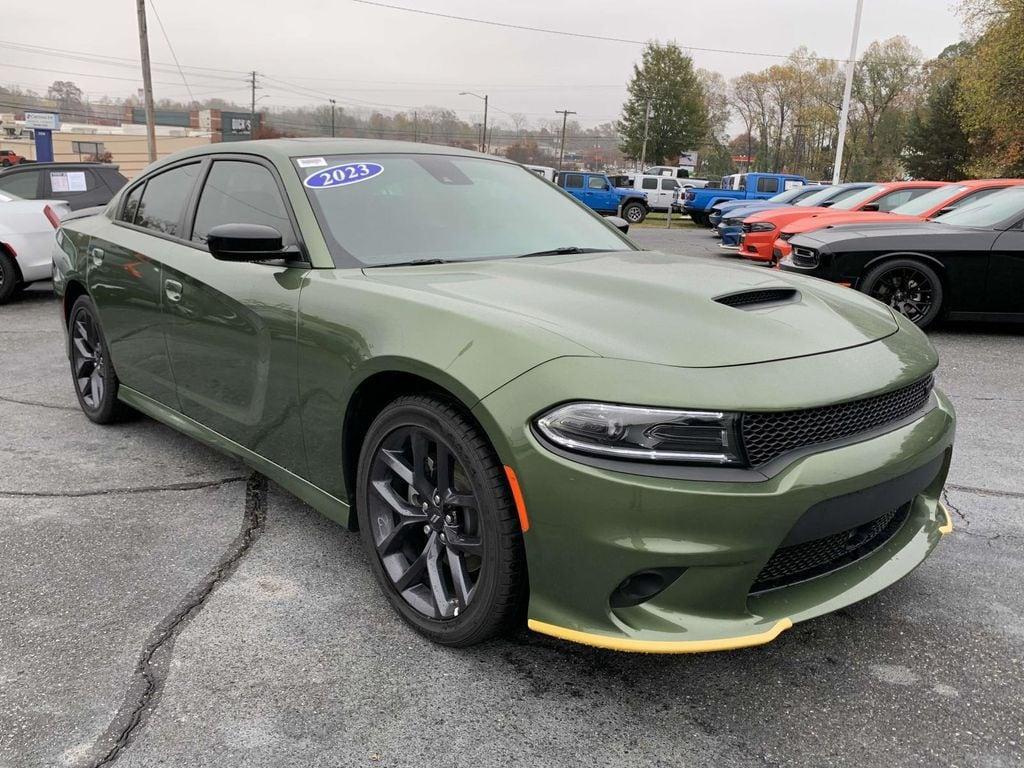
[158, 608]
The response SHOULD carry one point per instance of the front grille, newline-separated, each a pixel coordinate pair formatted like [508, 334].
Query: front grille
[763, 296]
[805, 257]
[800, 562]
[768, 435]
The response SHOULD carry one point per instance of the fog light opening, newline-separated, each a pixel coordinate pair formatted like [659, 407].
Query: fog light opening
[642, 586]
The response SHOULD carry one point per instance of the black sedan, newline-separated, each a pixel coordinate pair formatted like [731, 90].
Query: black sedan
[965, 265]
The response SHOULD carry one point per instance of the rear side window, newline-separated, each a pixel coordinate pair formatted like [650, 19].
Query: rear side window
[131, 205]
[23, 184]
[669, 184]
[164, 199]
[766, 184]
[649, 184]
[573, 181]
[237, 192]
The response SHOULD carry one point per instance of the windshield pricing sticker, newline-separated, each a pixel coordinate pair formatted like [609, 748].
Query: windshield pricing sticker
[340, 175]
[311, 162]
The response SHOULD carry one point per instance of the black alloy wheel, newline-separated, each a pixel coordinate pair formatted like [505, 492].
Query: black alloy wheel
[96, 383]
[908, 286]
[436, 515]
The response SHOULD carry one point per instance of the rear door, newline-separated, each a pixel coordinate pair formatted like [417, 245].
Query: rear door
[124, 276]
[231, 325]
[573, 184]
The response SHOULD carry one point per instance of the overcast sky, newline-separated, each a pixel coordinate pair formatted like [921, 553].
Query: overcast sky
[361, 54]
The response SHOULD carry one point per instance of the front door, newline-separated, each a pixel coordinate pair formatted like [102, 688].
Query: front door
[231, 325]
[1005, 289]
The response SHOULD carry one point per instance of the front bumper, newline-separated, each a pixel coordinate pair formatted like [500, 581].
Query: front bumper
[757, 246]
[592, 527]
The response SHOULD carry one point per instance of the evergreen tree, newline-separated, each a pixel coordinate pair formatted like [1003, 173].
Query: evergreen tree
[937, 146]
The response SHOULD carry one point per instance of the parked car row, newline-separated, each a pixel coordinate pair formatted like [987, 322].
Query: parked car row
[34, 199]
[928, 249]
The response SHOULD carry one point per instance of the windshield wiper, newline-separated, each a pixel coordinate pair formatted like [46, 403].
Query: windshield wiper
[565, 249]
[413, 263]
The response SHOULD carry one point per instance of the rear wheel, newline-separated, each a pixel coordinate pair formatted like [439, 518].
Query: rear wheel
[438, 522]
[634, 213]
[909, 286]
[9, 278]
[96, 383]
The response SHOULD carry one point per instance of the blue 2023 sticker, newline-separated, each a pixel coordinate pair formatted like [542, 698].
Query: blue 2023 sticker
[340, 175]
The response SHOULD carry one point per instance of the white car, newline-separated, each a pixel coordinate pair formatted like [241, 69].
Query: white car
[27, 229]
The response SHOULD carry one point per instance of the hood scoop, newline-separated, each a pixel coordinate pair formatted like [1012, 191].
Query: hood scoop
[759, 299]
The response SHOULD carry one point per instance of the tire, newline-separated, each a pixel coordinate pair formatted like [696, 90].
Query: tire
[634, 213]
[10, 278]
[92, 373]
[909, 286]
[454, 570]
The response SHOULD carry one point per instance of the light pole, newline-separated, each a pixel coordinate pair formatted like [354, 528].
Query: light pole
[483, 138]
[647, 120]
[333, 102]
[561, 147]
[845, 115]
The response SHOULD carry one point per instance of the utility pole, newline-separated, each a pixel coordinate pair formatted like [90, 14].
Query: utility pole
[147, 81]
[483, 147]
[845, 115]
[252, 111]
[647, 121]
[333, 102]
[561, 149]
[415, 126]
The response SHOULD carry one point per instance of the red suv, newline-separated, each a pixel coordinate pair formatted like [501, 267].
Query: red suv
[10, 157]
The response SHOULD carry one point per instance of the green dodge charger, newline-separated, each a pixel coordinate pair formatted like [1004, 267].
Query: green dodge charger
[525, 416]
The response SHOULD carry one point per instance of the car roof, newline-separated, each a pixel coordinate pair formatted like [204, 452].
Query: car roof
[30, 166]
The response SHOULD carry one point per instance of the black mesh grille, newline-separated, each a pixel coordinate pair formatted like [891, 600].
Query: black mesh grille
[805, 257]
[763, 296]
[769, 435]
[800, 562]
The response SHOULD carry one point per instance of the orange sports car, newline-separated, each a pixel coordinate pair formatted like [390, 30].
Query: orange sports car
[761, 230]
[929, 205]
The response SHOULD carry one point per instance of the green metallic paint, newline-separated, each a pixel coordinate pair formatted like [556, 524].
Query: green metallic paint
[261, 361]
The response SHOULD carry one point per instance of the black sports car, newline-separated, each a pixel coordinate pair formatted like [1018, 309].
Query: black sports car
[967, 264]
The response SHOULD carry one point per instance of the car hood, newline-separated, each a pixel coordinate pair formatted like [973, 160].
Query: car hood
[652, 307]
[917, 236]
[837, 218]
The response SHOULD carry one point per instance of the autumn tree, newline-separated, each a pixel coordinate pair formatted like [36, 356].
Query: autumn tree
[665, 79]
[67, 95]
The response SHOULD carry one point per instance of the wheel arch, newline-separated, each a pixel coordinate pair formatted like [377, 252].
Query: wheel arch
[931, 261]
[8, 251]
[379, 385]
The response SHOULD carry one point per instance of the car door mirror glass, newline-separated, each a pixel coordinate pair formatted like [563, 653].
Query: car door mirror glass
[246, 242]
[619, 223]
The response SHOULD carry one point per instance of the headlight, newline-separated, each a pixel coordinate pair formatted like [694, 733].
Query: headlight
[762, 226]
[644, 434]
[733, 222]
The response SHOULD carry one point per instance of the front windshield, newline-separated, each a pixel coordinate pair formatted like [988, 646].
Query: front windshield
[819, 197]
[930, 199]
[855, 200]
[789, 195]
[377, 210]
[988, 211]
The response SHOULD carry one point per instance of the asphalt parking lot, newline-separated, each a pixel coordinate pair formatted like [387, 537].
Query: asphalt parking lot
[159, 605]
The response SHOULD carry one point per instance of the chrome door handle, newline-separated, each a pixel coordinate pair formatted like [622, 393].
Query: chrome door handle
[172, 289]
[97, 256]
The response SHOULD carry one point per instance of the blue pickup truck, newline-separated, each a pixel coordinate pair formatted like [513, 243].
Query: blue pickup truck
[752, 186]
[595, 190]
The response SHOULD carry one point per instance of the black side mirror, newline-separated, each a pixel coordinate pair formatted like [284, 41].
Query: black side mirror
[828, 204]
[620, 224]
[870, 207]
[246, 242]
[942, 211]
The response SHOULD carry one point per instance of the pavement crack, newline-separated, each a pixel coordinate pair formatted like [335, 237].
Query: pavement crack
[147, 681]
[986, 491]
[38, 403]
[188, 486]
[954, 507]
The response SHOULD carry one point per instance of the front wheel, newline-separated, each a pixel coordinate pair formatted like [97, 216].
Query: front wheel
[634, 213]
[438, 522]
[9, 277]
[909, 286]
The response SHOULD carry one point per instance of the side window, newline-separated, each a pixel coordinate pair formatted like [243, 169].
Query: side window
[23, 184]
[767, 184]
[649, 184]
[237, 192]
[131, 204]
[743, 182]
[573, 181]
[669, 184]
[595, 182]
[974, 197]
[164, 199]
[845, 193]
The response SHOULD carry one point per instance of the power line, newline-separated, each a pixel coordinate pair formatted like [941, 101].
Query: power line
[170, 47]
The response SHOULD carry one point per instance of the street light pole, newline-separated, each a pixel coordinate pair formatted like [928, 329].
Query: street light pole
[147, 81]
[483, 133]
[643, 147]
[845, 115]
[483, 148]
[561, 148]
[333, 102]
